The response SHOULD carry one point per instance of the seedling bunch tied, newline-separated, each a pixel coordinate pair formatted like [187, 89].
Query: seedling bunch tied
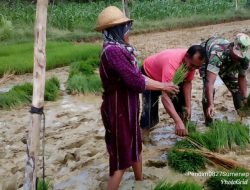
[180, 74]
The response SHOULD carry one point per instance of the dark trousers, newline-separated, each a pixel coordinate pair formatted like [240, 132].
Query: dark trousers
[150, 106]
[231, 82]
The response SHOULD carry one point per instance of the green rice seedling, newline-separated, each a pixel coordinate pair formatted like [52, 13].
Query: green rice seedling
[224, 180]
[41, 185]
[183, 144]
[26, 87]
[223, 135]
[52, 87]
[19, 57]
[184, 161]
[81, 67]
[84, 84]
[162, 185]
[22, 94]
[180, 74]
[13, 98]
[188, 185]
[191, 127]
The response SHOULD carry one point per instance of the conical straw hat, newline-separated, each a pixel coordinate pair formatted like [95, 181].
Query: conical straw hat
[110, 16]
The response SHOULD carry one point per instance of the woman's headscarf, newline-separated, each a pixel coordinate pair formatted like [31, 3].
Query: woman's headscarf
[116, 35]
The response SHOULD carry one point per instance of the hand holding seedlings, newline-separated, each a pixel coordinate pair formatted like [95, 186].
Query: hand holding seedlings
[170, 88]
[180, 129]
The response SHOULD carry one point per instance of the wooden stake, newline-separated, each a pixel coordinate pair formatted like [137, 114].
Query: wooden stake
[125, 7]
[38, 95]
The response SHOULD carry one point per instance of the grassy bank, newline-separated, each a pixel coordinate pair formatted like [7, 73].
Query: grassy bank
[18, 58]
[75, 21]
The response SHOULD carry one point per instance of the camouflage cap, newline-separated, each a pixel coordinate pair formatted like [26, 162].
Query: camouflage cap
[242, 45]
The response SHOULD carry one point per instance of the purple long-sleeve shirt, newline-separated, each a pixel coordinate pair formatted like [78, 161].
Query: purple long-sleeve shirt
[122, 82]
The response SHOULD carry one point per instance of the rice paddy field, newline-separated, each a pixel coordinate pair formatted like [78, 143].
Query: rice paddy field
[75, 151]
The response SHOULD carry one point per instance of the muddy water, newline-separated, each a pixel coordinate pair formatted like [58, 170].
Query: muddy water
[76, 156]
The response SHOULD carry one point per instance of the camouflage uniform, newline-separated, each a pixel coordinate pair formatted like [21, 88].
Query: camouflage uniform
[218, 61]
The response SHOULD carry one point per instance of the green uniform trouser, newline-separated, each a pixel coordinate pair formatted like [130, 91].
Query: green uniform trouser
[231, 82]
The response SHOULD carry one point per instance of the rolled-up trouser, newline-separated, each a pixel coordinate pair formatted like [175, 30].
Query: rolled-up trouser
[231, 82]
[150, 106]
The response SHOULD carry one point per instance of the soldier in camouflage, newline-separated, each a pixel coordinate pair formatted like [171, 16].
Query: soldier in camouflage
[230, 61]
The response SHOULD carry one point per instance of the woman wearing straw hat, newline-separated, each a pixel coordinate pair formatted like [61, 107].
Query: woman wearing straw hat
[122, 82]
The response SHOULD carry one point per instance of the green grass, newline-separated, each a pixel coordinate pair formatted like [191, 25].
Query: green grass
[216, 182]
[18, 58]
[75, 21]
[22, 94]
[163, 185]
[186, 161]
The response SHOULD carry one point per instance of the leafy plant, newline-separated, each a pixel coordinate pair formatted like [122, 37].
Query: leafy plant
[222, 180]
[180, 74]
[163, 185]
[186, 161]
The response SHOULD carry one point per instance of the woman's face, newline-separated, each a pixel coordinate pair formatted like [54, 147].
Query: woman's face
[126, 38]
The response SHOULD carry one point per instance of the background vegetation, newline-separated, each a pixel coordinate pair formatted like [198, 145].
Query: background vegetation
[75, 20]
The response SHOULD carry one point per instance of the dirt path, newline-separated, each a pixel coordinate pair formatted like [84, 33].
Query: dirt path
[76, 157]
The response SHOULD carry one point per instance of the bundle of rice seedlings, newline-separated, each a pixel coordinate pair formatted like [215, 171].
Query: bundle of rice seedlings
[18, 95]
[52, 87]
[223, 135]
[191, 127]
[180, 74]
[192, 153]
[188, 185]
[81, 67]
[84, 84]
[22, 94]
[184, 161]
[236, 179]
[44, 185]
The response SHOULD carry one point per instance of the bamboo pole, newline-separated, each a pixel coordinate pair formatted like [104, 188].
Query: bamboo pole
[125, 7]
[38, 95]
